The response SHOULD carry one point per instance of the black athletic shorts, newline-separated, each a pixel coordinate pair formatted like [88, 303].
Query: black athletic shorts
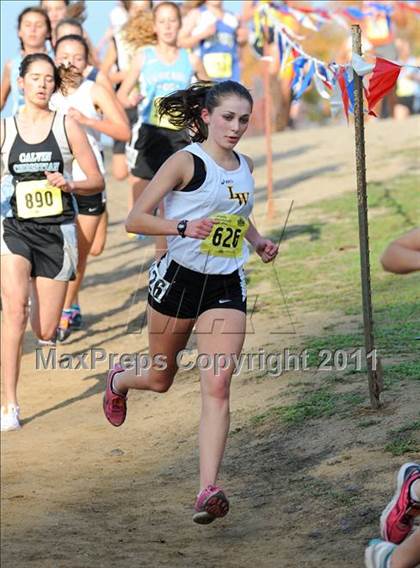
[154, 145]
[91, 204]
[183, 293]
[119, 146]
[51, 249]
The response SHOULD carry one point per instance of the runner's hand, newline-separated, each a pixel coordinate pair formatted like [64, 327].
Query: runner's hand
[266, 249]
[134, 99]
[76, 115]
[57, 180]
[200, 228]
[207, 32]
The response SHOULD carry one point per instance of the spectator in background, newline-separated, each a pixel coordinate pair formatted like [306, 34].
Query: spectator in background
[379, 29]
[134, 34]
[214, 33]
[281, 76]
[119, 16]
[408, 83]
[34, 29]
[57, 10]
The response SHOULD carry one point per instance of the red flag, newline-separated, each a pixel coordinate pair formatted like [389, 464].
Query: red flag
[407, 6]
[344, 95]
[384, 77]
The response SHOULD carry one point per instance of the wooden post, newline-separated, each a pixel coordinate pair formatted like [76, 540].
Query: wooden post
[374, 368]
[266, 60]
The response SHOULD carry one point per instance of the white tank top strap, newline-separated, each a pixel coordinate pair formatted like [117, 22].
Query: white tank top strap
[60, 134]
[10, 133]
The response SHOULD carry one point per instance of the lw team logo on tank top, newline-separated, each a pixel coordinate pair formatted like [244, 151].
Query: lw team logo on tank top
[242, 197]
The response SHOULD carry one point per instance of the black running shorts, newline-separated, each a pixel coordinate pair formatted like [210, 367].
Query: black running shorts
[119, 145]
[51, 249]
[91, 204]
[184, 293]
[154, 145]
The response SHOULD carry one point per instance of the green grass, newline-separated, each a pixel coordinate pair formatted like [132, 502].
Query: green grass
[321, 403]
[402, 439]
[320, 267]
[367, 423]
[319, 271]
[401, 446]
[404, 370]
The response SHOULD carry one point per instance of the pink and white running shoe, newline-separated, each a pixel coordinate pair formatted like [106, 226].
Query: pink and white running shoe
[397, 518]
[211, 504]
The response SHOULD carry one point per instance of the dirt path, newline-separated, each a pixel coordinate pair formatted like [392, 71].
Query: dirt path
[78, 493]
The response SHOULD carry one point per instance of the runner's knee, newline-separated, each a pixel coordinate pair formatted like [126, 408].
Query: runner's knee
[161, 381]
[46, 333]
[218, 387]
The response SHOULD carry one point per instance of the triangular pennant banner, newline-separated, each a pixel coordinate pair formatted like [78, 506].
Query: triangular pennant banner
[385, 75]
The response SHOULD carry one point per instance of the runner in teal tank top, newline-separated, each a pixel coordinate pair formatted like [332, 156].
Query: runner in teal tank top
[34, 29]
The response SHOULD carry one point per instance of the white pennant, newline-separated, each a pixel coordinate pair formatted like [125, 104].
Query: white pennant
[361, 67]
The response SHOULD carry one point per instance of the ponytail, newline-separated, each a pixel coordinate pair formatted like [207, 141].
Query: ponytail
[183, 109]
[70, 78]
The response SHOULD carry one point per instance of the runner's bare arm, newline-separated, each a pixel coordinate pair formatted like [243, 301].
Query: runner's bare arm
[108, 63]
[198, 67]
[84, 155]
[2, 132]
[131, 81]
[176, 172]
[104, 80]
[114, 122]
[265, 248]
[186, 38]
[252, 235]
[403, 255]
[5, 84]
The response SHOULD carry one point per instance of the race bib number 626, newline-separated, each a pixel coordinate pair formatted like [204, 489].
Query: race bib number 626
[226, 237]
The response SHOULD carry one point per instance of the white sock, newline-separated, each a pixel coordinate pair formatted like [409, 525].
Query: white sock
[413, 494]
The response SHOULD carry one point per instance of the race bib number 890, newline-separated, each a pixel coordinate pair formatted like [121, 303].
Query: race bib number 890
[38, 198]
[227, 236]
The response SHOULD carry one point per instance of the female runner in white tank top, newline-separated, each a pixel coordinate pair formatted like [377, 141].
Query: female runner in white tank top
[97, 111]
[38, 236]
[208, 191]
